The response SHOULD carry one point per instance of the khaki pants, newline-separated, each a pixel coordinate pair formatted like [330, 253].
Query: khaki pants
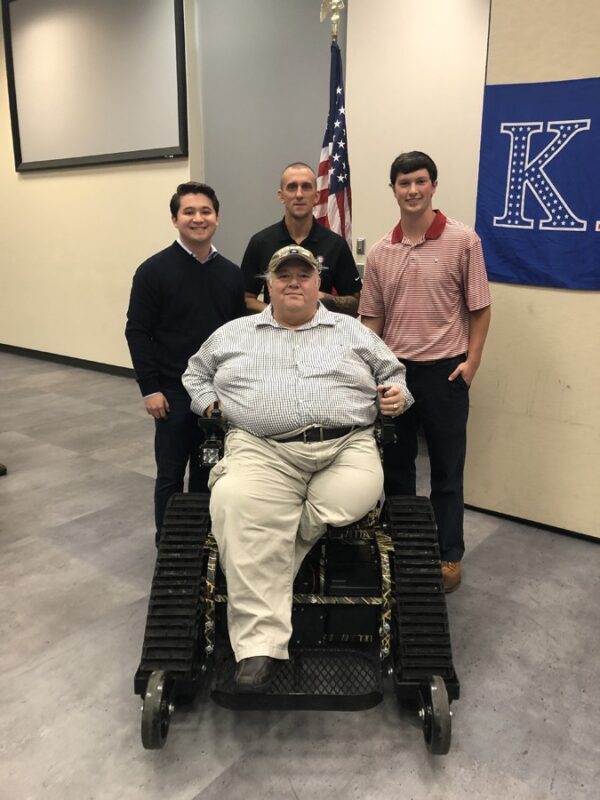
[270, 502]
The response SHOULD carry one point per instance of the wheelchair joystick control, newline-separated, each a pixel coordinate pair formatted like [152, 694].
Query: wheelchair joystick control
[214, 428]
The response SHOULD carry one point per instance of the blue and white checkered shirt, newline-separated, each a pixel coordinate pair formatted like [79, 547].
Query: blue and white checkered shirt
[272, 380]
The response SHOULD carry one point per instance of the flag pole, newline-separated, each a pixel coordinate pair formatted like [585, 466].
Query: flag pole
[333, 208]
[332, 8]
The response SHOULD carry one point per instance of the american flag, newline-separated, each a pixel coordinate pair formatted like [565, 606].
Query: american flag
[334, 204]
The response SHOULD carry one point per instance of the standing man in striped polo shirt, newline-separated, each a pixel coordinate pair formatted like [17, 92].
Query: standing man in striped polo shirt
[426, 294]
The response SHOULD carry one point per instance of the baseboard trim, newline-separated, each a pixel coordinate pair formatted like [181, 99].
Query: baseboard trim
[96, 366]
[532, 524]
[127, 372]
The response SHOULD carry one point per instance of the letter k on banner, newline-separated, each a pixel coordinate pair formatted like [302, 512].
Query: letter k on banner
[538, 196]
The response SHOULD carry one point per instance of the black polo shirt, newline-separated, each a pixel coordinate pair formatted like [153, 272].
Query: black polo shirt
[338, 269]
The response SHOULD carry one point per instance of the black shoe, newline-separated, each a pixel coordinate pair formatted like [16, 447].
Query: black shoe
[255, 673]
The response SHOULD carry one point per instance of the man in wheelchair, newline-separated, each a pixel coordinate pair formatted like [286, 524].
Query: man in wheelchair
[299, 387]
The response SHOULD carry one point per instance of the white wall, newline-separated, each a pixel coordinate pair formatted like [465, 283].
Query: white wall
[264, 103]
[535, 427]
[70, 241]
[414, 81]
[416, 74]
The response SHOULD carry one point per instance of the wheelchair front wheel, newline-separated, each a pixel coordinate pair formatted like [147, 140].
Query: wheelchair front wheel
[434, 712]
[157, 710]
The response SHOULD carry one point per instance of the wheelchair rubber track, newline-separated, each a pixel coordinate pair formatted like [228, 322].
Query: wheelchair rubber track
[421, 631]
[175, 610]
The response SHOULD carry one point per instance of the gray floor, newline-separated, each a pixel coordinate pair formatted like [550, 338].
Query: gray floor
[77, 560]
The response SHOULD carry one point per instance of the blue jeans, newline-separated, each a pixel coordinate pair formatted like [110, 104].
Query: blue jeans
[441, 408]
[176, 442]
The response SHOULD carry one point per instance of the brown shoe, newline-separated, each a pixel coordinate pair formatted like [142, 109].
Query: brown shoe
[451, 575]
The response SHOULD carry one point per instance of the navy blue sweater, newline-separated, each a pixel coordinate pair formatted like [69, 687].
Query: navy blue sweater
[176, 303]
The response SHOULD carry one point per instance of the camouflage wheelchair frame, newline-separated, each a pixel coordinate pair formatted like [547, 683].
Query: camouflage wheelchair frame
[368, 608]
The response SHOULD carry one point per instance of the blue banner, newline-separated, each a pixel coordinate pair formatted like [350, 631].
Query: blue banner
[538, 196]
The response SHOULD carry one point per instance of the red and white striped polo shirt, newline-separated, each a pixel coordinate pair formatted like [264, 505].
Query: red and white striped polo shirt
[425, 290]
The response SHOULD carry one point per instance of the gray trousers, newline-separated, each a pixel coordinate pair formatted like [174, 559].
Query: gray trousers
[270, 502]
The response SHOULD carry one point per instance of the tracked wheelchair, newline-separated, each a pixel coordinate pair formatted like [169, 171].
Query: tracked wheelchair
[368, 609]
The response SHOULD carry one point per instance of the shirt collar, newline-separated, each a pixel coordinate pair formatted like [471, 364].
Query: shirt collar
[212, 253]
[322, 317]
[434, 231]
[312, 234]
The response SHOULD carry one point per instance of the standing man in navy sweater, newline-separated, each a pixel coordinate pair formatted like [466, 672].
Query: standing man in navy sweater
[178, 298]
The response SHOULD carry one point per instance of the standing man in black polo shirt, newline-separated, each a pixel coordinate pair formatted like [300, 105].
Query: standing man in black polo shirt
[340, 281]
[179, 297]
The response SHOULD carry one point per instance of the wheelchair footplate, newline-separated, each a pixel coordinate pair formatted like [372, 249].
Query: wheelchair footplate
[317, 679]
[335, 658]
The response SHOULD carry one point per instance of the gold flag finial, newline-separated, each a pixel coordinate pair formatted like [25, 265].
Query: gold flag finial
[332, 8]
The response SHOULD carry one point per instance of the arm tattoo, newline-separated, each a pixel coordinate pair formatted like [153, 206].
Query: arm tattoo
[345, 304]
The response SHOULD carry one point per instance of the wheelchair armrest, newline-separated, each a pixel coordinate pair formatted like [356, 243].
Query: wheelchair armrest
[385, 430]
[212, 426]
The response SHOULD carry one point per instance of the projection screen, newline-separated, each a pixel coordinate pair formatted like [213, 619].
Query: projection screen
[95, 81]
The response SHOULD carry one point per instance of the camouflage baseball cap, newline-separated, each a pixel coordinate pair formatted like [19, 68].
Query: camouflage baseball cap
[292, 252]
